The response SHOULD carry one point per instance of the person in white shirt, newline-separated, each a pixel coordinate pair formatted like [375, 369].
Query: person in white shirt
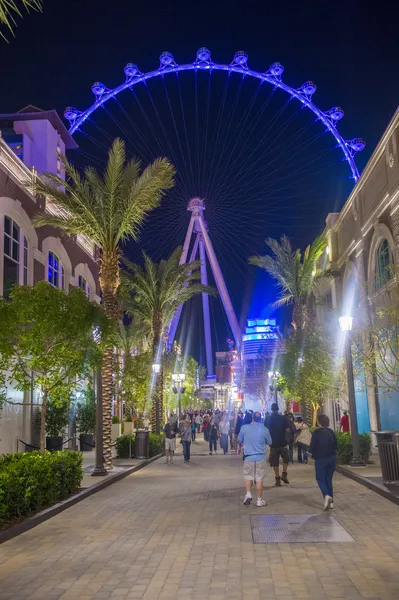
[198, 423]
[224, 429]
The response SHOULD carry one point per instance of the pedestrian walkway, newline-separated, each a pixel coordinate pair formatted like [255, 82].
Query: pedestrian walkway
[181, 531]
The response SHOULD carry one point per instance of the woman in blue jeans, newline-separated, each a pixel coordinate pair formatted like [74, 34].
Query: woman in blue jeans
[323, 448]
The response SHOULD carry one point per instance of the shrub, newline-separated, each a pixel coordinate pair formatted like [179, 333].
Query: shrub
[57, 418]
[155, 444]
[86, 412]
[30, 482]
[123, 444]
[345, 453]
[115, 420]
[129, 419]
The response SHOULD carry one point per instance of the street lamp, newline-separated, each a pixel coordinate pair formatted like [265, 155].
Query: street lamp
[345, 322]
[273, 376]
[178, 378]
[156, 367]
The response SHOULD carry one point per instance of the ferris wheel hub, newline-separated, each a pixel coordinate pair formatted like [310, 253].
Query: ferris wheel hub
[196, 206]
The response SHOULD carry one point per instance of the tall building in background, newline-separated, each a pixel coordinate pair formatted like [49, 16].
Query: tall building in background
[262, 345]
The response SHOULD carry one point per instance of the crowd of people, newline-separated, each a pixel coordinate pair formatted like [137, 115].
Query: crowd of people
[248, 434]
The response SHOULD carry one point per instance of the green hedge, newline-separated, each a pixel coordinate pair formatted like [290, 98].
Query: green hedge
[156, 444]
[30, 482]
[122, 445]
[344, 454]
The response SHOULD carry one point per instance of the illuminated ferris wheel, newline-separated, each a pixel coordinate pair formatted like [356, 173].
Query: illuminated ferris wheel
[252, 146]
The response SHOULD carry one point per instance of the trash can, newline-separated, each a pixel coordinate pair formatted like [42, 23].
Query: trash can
[141, 446]
[388, 449]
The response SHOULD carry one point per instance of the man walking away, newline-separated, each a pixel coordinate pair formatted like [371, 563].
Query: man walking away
[344, 422]
[277, 424]
[323, 448]
[303, 439]
[170, 431]
[254, 437]
[186, 439]
[224, 429]
[213, 429]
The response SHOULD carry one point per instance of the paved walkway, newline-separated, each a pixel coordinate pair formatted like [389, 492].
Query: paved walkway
[181, 531]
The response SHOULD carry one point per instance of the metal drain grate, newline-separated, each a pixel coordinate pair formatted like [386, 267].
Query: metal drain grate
[268, 529]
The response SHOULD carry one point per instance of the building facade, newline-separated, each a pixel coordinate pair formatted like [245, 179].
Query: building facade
[31, 143]
[363, 245]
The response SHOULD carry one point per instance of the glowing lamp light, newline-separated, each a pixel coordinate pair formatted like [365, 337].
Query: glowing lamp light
[156, 367]
[345, 322]
[178, 376]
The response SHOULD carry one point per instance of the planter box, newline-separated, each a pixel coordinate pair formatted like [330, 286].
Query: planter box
[86, 442]
[116, 431]
[54, 443]
[128, 428]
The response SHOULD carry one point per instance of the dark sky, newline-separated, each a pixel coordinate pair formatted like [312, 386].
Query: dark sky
[351, 53]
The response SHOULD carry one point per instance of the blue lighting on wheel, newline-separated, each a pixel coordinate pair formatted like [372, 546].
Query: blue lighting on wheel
[239, 64]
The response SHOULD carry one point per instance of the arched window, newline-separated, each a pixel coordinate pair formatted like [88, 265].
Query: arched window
[383, 265]
[82, 283]
[15, 256]
[55, 271]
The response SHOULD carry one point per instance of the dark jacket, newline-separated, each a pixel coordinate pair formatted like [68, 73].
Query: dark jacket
[170, 431]
[277, 425]
[290, 431]
[238, 425]
[324, 443]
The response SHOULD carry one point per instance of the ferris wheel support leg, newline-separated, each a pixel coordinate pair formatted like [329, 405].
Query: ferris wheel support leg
[187, 240]
[176, 317]
[205, 308]
[220, 284]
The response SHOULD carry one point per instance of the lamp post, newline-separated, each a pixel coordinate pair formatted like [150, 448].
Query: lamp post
[273, 376]
[99, 469]
[178, 378]
[345, 323]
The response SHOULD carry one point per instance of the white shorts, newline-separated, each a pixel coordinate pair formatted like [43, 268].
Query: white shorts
[255, 471]
[170, 444]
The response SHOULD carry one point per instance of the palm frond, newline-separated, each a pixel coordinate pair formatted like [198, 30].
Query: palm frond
[9, 9]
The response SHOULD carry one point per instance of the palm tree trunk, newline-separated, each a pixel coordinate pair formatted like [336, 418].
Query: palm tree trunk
[157, 395]
[109, 281]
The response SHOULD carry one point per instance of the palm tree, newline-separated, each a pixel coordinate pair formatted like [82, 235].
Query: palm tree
[9, 9]
[297, 275]
[108, 209]
[157, 290]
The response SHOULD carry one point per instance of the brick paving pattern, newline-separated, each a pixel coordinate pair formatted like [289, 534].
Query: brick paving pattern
[181, 531]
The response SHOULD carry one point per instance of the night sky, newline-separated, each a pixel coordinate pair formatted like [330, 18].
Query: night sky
[351, 54]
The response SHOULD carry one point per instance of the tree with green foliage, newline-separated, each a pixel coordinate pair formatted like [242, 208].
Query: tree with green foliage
[309, 370]
[156, 291]
[86, 411]
[297, 274]
[9, 9]
[109, 209]
[47, 343]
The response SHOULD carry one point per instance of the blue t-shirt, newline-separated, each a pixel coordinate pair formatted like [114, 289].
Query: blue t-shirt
[254, 437]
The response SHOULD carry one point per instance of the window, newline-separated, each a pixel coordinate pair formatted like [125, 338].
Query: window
[82, 283]
[383, 271]
[25, 261]
[11, 255]
[55, 272]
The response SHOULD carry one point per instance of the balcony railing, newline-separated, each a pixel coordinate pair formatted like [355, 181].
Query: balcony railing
[15, 166]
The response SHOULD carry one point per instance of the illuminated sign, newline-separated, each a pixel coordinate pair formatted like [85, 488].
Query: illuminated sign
[260, 336]
[261, 322]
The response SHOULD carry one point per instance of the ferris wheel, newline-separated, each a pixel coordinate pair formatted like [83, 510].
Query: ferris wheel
[253, 146]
